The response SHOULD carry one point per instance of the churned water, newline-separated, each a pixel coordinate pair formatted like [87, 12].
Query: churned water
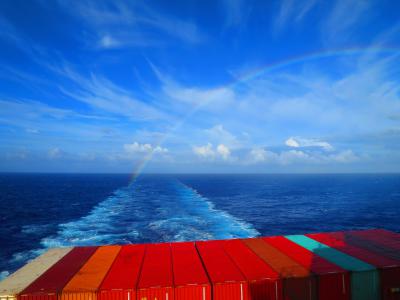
[39, 211]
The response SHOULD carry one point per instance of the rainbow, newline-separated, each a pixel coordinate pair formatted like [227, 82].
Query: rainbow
[260, 71]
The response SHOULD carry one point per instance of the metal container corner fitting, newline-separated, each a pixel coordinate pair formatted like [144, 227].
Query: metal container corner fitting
[333, 282]
[264, 283]
[228, 283]
[298, 282]
[86, 282]
[13, 285]
[156, 278]
[51, 282]
[122, 278]
[190, 279]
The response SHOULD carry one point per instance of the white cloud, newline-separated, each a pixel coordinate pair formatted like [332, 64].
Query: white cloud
[223, 151]
[209, 152]
[260, 155]
[54, 153]
[205, 151]
[132, 24]
[218, 134]
[344, 16]
[102, 94]
[235, 12]
[291, 10]
[136, 147]
[301, 142]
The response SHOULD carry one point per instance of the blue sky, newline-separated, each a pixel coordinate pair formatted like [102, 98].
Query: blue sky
[200, 86]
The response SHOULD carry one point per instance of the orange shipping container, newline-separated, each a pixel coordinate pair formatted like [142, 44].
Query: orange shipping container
[85, 283]
[298, 282]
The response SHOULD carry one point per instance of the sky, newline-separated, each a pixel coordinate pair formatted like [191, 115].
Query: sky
[200, 86]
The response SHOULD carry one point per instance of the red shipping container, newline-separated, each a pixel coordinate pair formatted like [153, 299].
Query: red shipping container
[190, 279]
[333, 281]
[227, 280]
[298, 282]
[389, 269]
[156, 279]
[384, 247]
[381, 238]
[51, 282]
[264, 283]
[122, 278]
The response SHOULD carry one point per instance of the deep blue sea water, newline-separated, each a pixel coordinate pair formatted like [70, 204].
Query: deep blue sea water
[38, 211]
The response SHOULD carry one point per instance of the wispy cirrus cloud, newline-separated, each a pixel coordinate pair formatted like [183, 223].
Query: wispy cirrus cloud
[291, 10]
[118, 24]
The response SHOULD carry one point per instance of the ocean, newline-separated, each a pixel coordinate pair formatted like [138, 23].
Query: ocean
[40, 211]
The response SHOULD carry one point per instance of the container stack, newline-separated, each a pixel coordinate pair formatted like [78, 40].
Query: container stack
[357, 265]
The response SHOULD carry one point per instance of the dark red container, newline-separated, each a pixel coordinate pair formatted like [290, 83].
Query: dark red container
[123, 276]
[389, 269]
[156, 279]
[51, 282]
[227, 280]
[380, 238]
[333, 281]
[190, 279]
[264, 283]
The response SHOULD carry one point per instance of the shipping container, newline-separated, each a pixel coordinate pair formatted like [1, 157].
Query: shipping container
[380, 238]
[227, 281]
[333, 281]
[85, 283]
[190, 279]
[51, 282]
[364, 277]
[389, 268]
[156, 278]
[264, 283]
[370, 245]
[298, 282]
[122, 278]
[18, 281]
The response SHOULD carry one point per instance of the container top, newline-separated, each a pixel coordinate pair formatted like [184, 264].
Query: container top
[252, 266]
[339, 258]
[187, 266]
[372, 246]
[284, 265]
[156, 269]
[16, 282]
[340, 243]
[90, 276]
[218, 264]
[55, 278]
[125, 271]
[380, 237]
[306, 258]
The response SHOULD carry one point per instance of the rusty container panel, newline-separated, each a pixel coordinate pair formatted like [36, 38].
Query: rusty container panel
[14, 284]
[333, 281]
[156, 278]
[227, 281]
[85, 284]
[51, 282]
[298, 282]
[122, 278]
[264, 283]
[190, 279]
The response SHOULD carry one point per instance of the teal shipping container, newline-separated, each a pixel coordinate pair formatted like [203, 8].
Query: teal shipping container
[365, 283]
